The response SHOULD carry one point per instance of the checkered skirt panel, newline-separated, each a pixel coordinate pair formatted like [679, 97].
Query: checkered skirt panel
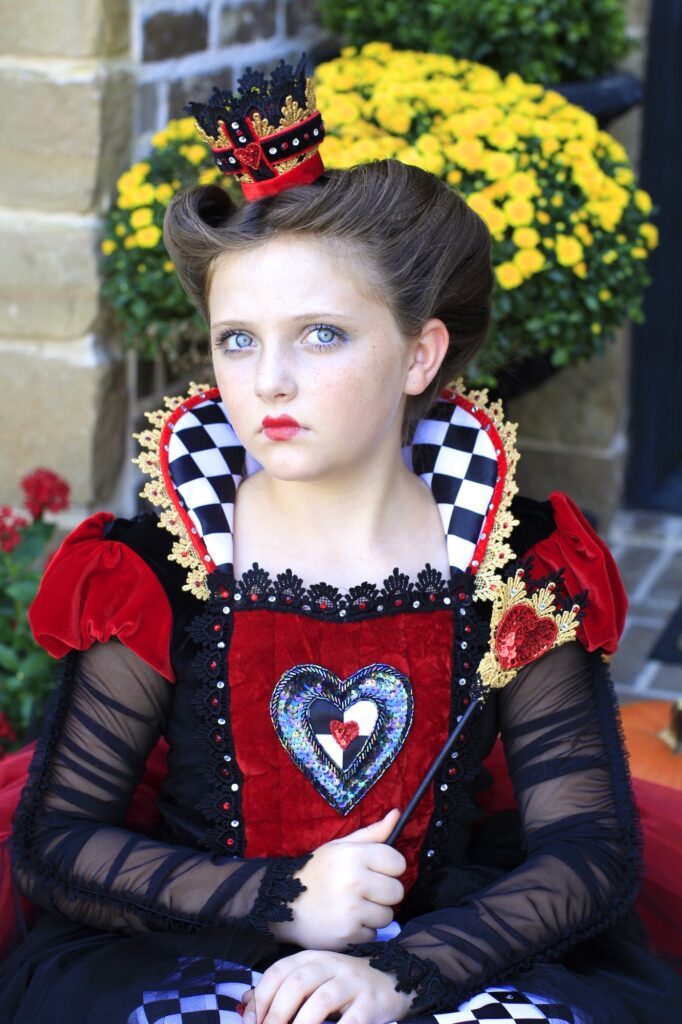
[207, 991]
[451, 451]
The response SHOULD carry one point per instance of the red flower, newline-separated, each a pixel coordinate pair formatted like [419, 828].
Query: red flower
[6, 730]
[45, 490]
[10, 524]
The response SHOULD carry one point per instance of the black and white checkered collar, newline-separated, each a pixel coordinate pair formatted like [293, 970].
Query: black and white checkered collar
[461, 449]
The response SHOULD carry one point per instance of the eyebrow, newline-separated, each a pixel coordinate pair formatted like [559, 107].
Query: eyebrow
[303, 318]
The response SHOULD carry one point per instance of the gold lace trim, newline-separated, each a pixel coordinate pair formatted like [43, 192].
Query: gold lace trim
[498, 552]
[183, 551]
[513, 593]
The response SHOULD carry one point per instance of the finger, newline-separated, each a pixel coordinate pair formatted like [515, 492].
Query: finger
[384, 860]
[264, 991]
[377, 832]
[294, 991]
[326, 1000]
[375, 916]
[382, 889]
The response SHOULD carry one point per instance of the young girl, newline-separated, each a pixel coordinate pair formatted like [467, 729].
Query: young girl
[340, 567]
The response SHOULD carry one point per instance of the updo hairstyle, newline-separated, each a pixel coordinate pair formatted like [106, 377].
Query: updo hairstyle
[427, 250]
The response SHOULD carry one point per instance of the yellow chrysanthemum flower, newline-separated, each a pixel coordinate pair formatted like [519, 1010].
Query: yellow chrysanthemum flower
[502, 137]
[610, 257]
[120, 230]
[649, 233]
[605, 295]
[580, 270]
[519, 212]
[148, 237]
[596, 328]
[108, 246]
[164, 193]
[168, 266]
[523, 186]
[639, 252]
[529, 261]
[508, 275]
[643, 201]
[526, 238]
[141, 218]
[569, 251]
[582, 232]
[195, 153]
[498, 165]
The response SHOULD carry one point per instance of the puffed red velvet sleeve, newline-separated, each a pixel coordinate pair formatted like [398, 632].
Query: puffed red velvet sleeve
[95, 589]
[588, 565]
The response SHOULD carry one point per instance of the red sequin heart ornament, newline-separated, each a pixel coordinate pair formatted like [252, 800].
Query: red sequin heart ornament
[522, 636]
[251, 155]
[344, 732]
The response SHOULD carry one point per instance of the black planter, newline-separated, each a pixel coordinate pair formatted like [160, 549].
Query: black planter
[606, 98]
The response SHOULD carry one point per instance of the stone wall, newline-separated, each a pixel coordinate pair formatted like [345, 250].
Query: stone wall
[66, 103]
[573, 429]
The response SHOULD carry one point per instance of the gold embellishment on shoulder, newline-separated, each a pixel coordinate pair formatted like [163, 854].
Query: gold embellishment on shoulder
[522, 629]
[183, 551]
[498, 552]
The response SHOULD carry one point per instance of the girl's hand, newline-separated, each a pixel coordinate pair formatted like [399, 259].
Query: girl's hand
[351, 888]
[311, 986]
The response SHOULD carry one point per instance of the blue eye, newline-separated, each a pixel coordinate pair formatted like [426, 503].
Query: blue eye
[233, 341]
[328, 337]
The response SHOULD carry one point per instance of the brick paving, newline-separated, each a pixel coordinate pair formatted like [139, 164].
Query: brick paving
[648, 549]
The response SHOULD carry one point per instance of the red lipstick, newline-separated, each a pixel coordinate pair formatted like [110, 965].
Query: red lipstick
[280, 428]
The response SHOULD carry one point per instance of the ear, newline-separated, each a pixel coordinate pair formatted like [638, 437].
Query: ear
[427, 352]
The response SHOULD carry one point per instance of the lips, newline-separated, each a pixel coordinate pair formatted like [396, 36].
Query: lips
[280, 428]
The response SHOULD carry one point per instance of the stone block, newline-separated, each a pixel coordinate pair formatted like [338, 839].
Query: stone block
[301, 16]
[632, 654]
[63, 140]
[594, 481]
[668, 587]
[196, 87]
[146, 108]
[583, 405]
[248, 22]
[49, 285]
[65, 414]
[628, 130]
[69, 28]
[638, 13]
[170, 34]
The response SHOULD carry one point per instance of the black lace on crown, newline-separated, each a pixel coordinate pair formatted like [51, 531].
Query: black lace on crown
[254, 93]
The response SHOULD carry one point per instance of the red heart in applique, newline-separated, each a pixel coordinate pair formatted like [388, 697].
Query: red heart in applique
[522, 636]
[251, 155]
[344, 732]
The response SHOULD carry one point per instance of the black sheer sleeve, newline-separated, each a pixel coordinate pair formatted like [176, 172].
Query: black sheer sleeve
[70, 851]
[580, 873]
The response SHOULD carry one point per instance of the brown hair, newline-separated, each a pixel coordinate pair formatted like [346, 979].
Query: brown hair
[428, 249]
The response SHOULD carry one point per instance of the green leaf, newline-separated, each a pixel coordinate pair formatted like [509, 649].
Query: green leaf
[23, 591]
[8, 659]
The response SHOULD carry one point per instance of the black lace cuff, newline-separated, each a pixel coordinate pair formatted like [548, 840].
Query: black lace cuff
[432, 990]
[278, 889]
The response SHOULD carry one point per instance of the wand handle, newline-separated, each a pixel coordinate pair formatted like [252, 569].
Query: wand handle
[424, 784]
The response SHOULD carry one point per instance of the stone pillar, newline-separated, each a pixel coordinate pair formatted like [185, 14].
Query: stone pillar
[573, 428]
[66, 108]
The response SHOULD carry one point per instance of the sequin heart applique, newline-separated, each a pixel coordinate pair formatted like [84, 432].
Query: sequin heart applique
[342, 733]
[251, 155]
[522, 636]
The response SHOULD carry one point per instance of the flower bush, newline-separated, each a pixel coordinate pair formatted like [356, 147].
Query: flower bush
[571, 230]
[26, 670]
[543, 40]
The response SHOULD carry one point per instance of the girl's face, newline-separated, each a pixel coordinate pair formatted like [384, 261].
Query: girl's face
[297, 332]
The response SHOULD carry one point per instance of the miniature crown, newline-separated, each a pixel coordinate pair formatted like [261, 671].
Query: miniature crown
[268, 133]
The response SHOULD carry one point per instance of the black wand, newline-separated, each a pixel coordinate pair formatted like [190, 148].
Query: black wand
[428, 778]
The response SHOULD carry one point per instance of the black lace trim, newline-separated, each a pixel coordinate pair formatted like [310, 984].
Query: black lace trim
[221, 805]
[256, 589]
[432, 989]
[278, 889]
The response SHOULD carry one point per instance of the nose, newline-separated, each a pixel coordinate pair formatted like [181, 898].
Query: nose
[275, 377]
